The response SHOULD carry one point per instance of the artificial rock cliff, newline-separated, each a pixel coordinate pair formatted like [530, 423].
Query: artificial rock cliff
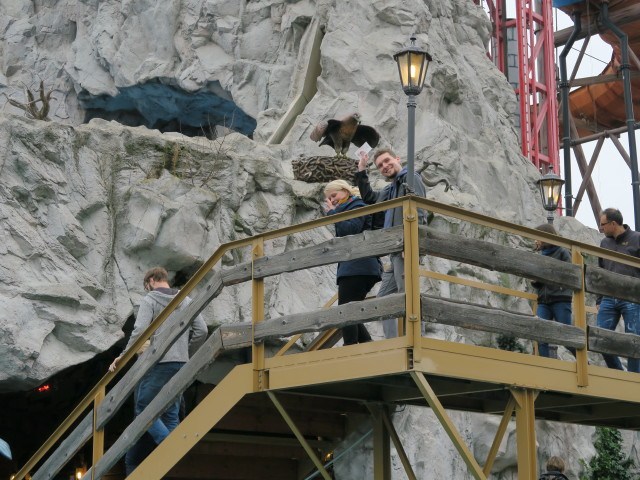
[88, 204]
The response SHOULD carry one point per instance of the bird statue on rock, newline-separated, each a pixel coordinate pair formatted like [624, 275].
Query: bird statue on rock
[339, 134]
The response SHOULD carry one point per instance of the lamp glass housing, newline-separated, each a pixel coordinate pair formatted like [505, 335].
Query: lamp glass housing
[550, 187]
[413, 63]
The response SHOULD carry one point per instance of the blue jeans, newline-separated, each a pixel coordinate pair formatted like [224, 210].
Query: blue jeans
[149, 386]
[561, 313]
[608, 317]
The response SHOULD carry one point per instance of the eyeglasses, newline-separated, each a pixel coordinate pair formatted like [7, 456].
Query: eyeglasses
[605, 223]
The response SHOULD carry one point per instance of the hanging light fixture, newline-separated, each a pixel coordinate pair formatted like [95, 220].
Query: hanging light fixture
[550, 187]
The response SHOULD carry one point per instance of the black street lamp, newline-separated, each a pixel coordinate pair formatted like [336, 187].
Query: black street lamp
[550, 186]
[412, 65]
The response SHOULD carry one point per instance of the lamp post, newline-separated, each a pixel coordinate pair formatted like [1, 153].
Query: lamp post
[412, 66]
[550, 186]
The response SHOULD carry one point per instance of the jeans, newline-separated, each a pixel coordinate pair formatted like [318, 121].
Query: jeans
[561, 313]
[608, 317]
[149, 386]
[392, 282]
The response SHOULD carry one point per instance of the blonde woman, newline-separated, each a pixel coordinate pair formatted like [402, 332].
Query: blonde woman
[355, 277]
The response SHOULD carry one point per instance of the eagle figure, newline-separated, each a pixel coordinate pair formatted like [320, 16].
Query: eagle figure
[340, 133]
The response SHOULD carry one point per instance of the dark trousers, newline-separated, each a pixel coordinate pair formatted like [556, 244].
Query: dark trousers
[353, 289]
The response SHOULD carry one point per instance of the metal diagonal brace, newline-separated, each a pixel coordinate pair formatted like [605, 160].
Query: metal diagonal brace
[448, 426]
[303, 441]
[502, 428]
[380, 411]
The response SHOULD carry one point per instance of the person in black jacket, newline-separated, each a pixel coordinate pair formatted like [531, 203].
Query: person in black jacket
[619, 238]
[554, 303]
[355, 277]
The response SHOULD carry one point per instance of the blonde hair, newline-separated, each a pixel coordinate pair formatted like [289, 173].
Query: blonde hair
[342, 185]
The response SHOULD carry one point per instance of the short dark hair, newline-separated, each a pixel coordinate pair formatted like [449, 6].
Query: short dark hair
[159, 274]
[546, 227]
[382, 151]
[555, 464]
[613, 215]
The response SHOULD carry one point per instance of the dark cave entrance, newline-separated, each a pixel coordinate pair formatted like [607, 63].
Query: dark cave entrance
[155, 105]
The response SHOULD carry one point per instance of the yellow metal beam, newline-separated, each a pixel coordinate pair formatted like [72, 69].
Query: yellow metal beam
[257, 315]
[412, 274]
[526, 433]
[295, 338]
[475, 284]
[502, 428]
[380, 412]
[448, 426]
[337, 364]
[580, 320]
[307, 448]
[381, 450]
[491, 365]
[98, 435]
[197, 424]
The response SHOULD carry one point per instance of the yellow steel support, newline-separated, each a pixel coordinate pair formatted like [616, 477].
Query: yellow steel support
[475, 284]
[502, 428]
[295, 338]
[197, 424]
[307, 448]
[381, 450]
[526, 433]
[257, 315]
[580, 319]
[98, 435]
[448, 426]
[412, 275]
[380, 411]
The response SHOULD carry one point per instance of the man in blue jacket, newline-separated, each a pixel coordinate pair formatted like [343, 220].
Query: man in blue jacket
[620, 238]
[389, 165]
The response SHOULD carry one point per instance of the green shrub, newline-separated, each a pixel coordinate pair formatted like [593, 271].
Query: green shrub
[608, 463]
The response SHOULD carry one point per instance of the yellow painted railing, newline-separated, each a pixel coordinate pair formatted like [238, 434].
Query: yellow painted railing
[410, 205]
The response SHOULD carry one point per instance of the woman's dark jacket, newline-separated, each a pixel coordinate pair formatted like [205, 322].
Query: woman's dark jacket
[362, 266]
[552, 293]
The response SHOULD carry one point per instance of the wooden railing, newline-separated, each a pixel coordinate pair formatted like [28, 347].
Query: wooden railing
[411, 239]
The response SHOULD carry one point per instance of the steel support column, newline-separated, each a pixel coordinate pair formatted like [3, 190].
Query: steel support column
[98, 435]
[379, 411]
[381, 450]
[412, 274]
[257, 315]
[580, 320]
[526, 433]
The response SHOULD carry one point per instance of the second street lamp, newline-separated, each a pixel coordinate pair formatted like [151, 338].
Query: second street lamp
[550, 187]
[412, 66]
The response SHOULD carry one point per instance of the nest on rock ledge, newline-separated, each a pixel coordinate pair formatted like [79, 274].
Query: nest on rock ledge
[324, 169]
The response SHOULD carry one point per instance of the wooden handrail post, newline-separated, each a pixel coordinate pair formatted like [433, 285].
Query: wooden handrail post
[412, 275]
[98, 435]
[257, 315]
[580, 319]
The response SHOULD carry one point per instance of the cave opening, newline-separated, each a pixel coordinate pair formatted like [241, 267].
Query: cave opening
[156, 105]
